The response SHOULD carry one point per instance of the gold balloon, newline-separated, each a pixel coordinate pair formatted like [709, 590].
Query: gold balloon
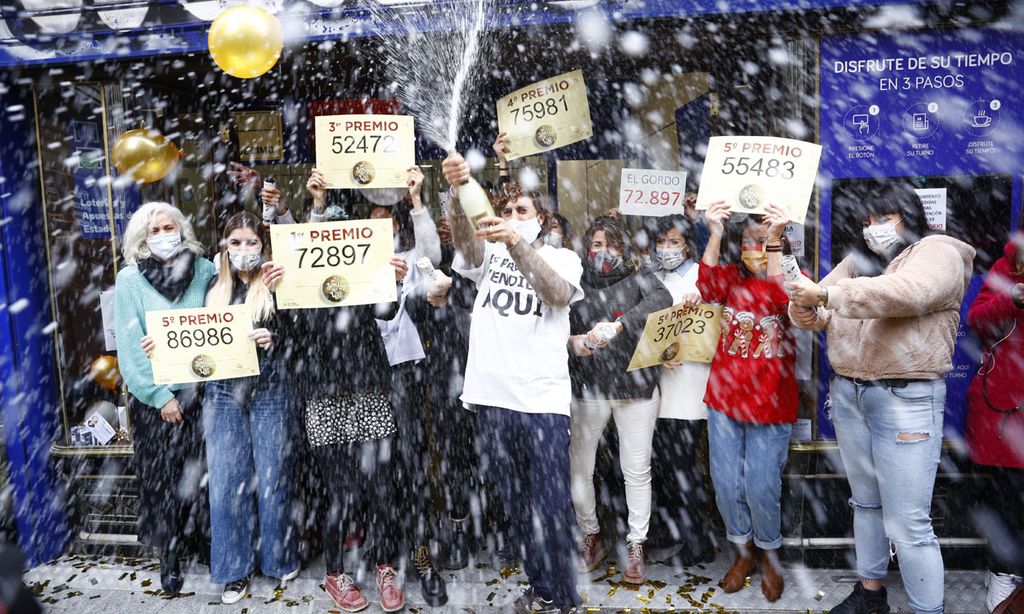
[245, 41]
[146, 155]
[104, 372]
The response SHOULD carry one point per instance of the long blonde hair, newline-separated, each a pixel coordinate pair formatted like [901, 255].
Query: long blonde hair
[258, 297]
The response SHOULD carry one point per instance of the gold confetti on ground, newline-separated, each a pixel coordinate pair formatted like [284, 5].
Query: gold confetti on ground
[507, 572]
[819, 596]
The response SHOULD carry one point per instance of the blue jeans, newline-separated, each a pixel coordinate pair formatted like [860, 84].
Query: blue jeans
[746, 468]
[890, 439]
[250, 432]
[526, 457]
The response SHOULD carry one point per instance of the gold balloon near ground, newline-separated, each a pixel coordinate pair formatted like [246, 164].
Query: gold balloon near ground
[104, 372]
[147, 156]
[246, 41]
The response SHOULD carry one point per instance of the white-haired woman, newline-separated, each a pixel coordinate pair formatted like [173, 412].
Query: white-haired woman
[163, 269]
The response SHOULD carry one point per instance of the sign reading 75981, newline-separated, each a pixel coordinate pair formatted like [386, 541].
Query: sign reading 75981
[545, 115]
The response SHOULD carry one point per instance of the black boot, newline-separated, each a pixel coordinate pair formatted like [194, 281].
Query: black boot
[432, 585]
[171, 579]
[863, 601]
[458, 546]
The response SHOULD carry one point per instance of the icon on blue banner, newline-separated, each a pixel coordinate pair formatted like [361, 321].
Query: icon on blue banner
[862, 121]
[921, 120]
[982, 116]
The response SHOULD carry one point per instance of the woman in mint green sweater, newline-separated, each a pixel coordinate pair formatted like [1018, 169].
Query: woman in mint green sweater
[164, 269]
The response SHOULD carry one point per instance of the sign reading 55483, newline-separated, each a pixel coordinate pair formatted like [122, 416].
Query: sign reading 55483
[751, 172]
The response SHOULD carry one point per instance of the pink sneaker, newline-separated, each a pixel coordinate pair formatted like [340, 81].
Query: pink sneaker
[345, 593]
[392, 599]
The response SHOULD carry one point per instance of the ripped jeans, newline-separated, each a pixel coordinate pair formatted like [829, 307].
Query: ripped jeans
[890, 439]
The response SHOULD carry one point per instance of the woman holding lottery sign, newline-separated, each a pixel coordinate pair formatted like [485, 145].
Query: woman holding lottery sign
[249, 425]
[751, 392]
[164, 269]
[619, 293]
[522, 398]
[343, 379]
[891, 309]
[679, 463]
[416, 240]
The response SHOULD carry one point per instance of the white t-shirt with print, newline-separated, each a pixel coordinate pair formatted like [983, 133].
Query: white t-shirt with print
[518, 358]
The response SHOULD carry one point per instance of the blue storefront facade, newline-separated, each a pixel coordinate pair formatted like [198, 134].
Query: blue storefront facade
[890, 89]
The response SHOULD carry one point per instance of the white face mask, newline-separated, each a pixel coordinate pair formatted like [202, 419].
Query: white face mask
[880, 237]
[670, 257]
[246, 260]
[553, 239]
[164, 246]
[528, 229]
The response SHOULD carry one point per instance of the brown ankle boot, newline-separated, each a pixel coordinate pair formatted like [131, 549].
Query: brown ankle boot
[742, 568]
[772, 583]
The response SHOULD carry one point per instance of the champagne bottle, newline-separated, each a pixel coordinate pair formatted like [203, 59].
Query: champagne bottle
[269, 211]
[474, 201]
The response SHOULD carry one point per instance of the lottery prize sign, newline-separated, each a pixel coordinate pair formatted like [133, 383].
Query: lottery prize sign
[201, 345]
[681, 332]
[653, 193]
[750, 172]
[546, 115]
[334, 264]
[365, 151]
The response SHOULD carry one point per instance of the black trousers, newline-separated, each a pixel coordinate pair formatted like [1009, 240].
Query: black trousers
[998, 515]
[682, 497]
[169, 467]
[358, 487]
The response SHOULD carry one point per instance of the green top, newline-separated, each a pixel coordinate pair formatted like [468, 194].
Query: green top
[133, 297]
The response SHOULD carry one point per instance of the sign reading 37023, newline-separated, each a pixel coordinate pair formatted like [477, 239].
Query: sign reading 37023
[545, 115]
[681, 332]
[752, 172]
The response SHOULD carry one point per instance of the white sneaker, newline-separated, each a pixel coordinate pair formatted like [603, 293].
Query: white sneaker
[288, 577]
[1000, 585]
[234, 591]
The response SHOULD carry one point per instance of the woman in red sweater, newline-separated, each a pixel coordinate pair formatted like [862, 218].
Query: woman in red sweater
[995, 424]
[752, 393]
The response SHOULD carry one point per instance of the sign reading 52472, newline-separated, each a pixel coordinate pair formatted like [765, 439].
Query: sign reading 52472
[364, 151]
[750, 172]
